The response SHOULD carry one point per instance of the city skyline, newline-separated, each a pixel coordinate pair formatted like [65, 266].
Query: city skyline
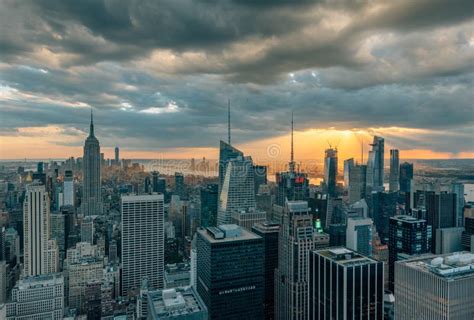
[403, 72]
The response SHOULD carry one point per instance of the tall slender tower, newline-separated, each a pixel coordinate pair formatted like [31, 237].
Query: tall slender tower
[92, 199]
[394, 170]
[40, 253]
[375, 165]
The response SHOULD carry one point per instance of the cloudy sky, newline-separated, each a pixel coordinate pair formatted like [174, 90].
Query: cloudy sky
[158, 75]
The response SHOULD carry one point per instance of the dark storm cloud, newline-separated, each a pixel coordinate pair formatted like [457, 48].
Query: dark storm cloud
[159, 73]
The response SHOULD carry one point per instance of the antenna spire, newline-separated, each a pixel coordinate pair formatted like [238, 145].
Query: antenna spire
[91, 132]
[292, 154]
[228, 122]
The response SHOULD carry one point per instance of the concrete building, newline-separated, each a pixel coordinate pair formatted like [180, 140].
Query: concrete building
[176, 304]
[37, 297]
[230, 272]
[344, 285]
[407, 236]
[68, 189]
[437, 287]
[248, 218]
[296, 239]
[449, 240]
[359, 235]
[142, 241]
[36, 232]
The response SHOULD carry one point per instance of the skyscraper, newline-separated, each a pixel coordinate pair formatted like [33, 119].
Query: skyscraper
[117, 156]
[209, 201]
[291, 185]
[348, 164]
[92, 198]
[359, 235]
[142, 241]
[260, 176]
[344, 285]
[296, 239]
[237, 192]
[394, 171]
[269, 232]
[408, 236]
[68, 189]
[39, 255]
[458, 189]
[435, 287]
[330, 171]
[226, 153]
[406, 175]
[230, 272]
[357, 182]
[179, 187]
[375, 165]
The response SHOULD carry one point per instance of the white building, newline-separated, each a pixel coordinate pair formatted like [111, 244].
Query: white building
[437, 287]
[142, 241]
[39, 297]
[68, 189]
[36, 231]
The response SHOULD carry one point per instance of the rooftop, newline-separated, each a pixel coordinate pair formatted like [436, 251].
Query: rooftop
[407, 218]
[227, 233]
[40, 281]
[344, 256]
[449, 266]
[175, 302]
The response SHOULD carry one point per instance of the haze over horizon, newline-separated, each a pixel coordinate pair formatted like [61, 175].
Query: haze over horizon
[158, 76]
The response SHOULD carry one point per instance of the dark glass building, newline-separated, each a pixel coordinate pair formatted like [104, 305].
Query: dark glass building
[344, 284]
[407, 236]
[337, 234]
[269, 232]
[179, 187]
[226, 153]
[209, 198]
[291, 186]
[405, 176]
[383, 207]
[230, 272]
[330, 171]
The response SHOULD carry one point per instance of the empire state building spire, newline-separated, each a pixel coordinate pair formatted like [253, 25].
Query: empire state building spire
[91, 131]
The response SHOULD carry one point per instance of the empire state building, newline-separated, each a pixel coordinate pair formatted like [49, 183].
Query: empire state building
[92, 199]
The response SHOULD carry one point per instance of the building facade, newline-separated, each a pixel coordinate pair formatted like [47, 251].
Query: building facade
[344, 285]
[394, 178]
[91, 197]
[142, 241]
[435, 287]
[230, 272]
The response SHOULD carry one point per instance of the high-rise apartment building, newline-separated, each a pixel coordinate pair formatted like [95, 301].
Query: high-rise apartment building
[297, 237]
[394, 178]
[407, 236]
[91, 191]
[359, 235]
[375, 165]
[142, 241]
[237, 192]
[269, 233]
[230, 272]
[435, 287]
[330, 171]
[344, 284]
